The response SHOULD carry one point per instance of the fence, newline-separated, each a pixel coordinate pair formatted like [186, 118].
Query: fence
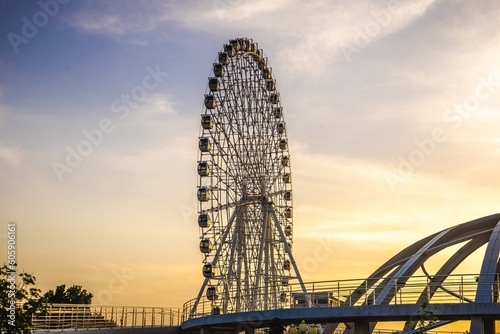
[356, 292]
[353, 292]
[80, 316]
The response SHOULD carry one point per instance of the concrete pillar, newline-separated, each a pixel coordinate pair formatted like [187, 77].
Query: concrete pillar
[361, 327]
[489, 325]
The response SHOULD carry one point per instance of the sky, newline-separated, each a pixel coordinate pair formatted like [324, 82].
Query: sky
[392, 111]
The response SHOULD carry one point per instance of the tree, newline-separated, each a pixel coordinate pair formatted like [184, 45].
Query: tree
[425, 318]
[19, 300]
[73, 295]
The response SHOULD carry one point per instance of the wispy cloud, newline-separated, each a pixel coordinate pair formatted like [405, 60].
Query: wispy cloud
[306, 32]
[158, 103]
[10, 155]
[306, 35]
[110, 18]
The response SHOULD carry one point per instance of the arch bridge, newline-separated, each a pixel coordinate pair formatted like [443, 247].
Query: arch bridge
[392, 293]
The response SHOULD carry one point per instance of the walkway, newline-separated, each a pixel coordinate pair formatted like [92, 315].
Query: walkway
[360, 315]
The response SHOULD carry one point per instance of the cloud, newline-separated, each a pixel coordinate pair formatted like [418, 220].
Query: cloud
[98, 17]
[351, 192]
[157, 103]
[343, 207]
[3, 111]
[304, 33]
[152, 159]
[155, 121]
[10, 155]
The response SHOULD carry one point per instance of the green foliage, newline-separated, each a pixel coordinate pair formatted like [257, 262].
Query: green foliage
[73, 295]
[19, 300]
[425, 317]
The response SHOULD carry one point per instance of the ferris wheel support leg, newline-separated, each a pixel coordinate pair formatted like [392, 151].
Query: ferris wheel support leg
[289, 252]
[261, 250]
[229, 274]
[195, 305]
[215, 259]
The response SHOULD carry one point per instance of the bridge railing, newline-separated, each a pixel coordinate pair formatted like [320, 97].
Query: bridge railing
[81, 316]
[356, 292]
[401, 290]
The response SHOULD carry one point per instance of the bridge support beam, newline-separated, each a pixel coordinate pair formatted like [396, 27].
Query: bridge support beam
[362, 327]
[479, 325]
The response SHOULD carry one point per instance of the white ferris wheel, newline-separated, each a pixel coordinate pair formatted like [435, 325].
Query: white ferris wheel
[245, 211]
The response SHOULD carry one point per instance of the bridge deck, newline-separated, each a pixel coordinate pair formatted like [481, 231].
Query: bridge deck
[258, 319]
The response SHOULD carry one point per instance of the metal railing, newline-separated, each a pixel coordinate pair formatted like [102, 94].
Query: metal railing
[356, 292]
[81, 316]
[351, 292]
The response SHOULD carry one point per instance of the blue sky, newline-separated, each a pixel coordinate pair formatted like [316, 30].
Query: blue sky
[392, 111]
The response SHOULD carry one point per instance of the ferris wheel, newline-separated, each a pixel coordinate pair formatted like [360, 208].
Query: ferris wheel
[245, 211]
